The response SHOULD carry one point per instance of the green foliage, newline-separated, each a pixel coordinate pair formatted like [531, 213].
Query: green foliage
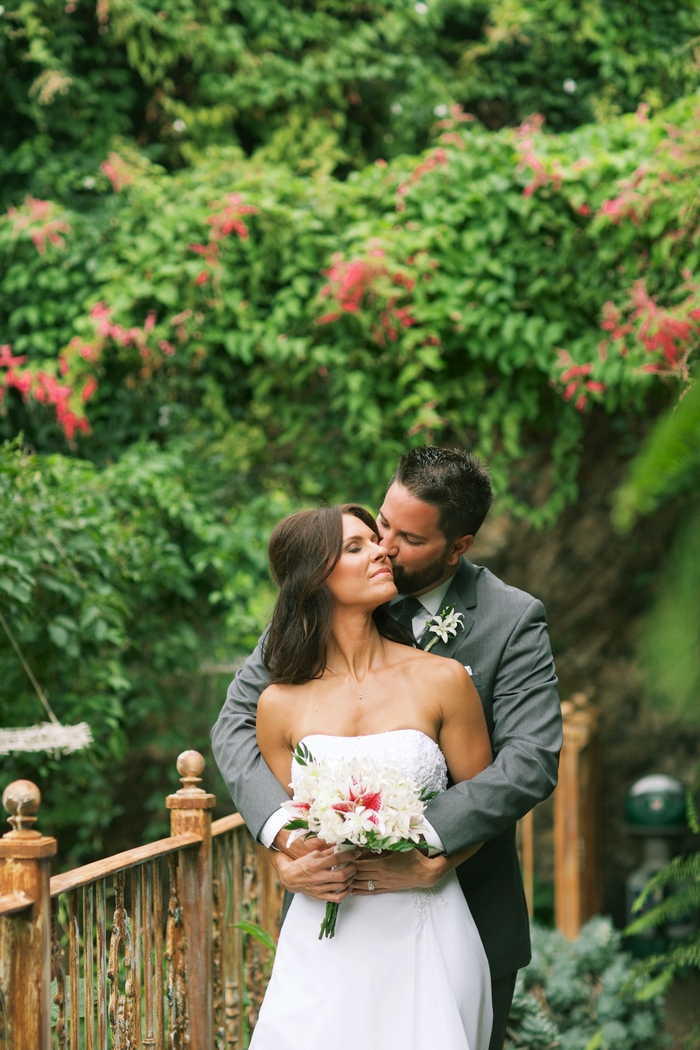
[669, 462]
[668, 466]
[317, 324]
[670, 639]
[253, 930]
[680, 879]
[582, 995]
[106, 578]
[212, 311]
[321, 85]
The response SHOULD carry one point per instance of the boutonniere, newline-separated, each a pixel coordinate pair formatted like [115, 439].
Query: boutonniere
[443, 626]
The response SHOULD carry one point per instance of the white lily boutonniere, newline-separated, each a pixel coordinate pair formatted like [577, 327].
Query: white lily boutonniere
[441, 627]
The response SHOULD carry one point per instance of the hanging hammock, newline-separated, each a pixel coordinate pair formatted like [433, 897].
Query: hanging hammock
[47, 736]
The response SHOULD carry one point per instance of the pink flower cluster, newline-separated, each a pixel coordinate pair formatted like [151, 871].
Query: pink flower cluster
[35, 218]
[350, 282]
[224, 222]
[526, 133]
[117, 171]
[437, 157]
[669, 333]
[45, 389]
[575, 381]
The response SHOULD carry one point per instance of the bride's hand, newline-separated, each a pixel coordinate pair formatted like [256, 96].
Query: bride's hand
[317, 873]
[397, 871]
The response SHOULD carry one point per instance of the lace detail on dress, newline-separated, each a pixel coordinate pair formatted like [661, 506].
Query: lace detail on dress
[410, 749]
[423, 901]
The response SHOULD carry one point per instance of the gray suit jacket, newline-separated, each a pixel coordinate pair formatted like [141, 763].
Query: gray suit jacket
[505, 643]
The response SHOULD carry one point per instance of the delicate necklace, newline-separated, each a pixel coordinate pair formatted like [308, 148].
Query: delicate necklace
[354, 687]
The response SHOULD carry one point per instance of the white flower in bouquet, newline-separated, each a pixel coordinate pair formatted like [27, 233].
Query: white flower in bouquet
[355, 803]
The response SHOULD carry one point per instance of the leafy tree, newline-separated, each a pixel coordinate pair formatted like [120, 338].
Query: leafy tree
[324, 85]
[107, 579]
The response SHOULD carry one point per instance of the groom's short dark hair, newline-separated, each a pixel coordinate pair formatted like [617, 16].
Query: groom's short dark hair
[455, 482]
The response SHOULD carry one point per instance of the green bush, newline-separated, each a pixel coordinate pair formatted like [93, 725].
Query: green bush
[119, 585]
[489, 291]
[582, 995]
[325, 85]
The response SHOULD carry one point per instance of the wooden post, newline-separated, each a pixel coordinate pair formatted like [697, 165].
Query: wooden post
[25, 923]
[577, 873]
[191, 813]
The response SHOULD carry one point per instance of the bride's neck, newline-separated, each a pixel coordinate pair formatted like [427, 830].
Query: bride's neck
[355, 646]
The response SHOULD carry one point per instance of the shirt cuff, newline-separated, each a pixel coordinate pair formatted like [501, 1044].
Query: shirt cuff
[431, 837]
[274, 824]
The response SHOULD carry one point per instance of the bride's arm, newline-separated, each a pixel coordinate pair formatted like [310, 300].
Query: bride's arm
[463, 736]
[272, 730]
[316, 872]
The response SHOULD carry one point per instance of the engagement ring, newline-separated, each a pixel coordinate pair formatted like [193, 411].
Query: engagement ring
[370, 885]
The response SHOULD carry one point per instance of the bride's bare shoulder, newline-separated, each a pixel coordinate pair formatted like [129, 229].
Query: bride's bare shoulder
[276, 698]
[434, 668]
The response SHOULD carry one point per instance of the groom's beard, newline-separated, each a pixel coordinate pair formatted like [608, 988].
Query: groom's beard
[420, 580]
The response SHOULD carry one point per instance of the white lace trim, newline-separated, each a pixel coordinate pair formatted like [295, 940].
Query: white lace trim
[415, 753]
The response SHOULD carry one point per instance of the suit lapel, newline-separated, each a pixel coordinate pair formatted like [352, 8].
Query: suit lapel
[461, 595]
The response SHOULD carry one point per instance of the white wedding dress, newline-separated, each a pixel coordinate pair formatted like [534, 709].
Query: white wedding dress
[405, 971]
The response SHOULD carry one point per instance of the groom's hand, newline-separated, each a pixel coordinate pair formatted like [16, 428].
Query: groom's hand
[397, 871]
[319, 873]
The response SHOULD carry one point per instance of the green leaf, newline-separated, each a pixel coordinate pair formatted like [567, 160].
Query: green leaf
[256, 931]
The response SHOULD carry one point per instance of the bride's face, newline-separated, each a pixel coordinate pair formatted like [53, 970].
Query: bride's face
[363, 575]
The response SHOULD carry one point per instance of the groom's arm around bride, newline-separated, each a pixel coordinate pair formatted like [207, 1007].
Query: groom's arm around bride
[435, 504]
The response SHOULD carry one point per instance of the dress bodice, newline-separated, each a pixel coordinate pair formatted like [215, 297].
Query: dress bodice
[417, 755]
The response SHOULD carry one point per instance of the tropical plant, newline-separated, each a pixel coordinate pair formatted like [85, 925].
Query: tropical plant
[679, 882]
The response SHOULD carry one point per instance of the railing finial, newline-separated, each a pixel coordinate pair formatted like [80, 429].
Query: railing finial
[21, 800]
[190, 764]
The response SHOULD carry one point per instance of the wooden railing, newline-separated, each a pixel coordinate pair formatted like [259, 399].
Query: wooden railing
[577, 839]
[148, 950]
[176, 969]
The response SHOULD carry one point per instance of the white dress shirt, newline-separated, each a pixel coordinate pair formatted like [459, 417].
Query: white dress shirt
[431, 604]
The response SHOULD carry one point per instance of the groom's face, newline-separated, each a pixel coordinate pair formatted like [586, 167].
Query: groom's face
[408, 530]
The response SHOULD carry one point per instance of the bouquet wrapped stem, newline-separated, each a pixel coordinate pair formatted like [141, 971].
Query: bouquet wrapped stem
[329, 920]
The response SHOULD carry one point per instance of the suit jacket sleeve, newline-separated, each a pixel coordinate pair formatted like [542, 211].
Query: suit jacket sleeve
[526, 739]
[254, 788]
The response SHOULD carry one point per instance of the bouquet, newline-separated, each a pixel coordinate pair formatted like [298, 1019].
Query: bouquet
[355, 802]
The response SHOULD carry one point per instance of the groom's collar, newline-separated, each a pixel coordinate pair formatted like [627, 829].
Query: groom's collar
[462, 598]
[462, 591]
[434, 600]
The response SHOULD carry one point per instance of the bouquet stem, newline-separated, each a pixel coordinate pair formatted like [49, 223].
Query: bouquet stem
[329, 921]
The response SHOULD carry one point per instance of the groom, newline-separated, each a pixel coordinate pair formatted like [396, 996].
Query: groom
[435, 504]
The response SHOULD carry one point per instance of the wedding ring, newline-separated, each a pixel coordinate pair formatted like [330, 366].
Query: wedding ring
[370, 885]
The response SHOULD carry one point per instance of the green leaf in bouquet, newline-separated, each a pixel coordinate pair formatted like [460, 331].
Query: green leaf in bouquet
[293, 825]
[302, 755]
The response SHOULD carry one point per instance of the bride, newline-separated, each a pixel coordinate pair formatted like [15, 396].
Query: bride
[405, 970]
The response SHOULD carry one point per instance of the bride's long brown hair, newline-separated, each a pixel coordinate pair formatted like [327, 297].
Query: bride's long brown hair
[303, 551]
